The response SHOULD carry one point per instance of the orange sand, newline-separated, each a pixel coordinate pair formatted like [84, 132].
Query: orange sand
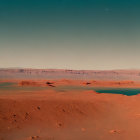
[70, 115]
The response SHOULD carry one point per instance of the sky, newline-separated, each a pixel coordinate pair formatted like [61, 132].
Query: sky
[70, 34]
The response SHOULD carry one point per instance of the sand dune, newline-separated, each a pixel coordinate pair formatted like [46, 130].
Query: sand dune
[70, 115]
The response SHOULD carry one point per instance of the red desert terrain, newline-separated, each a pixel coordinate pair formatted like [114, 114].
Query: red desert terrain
[48, 112]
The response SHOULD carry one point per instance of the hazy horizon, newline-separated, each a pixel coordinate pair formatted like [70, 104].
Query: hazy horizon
[70, 34]
[70, 69]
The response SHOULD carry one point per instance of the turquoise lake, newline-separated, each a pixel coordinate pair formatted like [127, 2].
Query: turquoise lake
[125, 91]
[109, 90]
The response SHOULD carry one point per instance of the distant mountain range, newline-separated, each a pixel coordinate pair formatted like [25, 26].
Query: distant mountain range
[19, 73]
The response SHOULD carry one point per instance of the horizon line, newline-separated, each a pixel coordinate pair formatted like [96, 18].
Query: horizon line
[67, 69]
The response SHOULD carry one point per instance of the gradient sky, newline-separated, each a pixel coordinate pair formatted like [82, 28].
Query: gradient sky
[71, 34]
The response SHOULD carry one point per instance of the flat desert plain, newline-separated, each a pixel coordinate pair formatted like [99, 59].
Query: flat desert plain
[54, 110]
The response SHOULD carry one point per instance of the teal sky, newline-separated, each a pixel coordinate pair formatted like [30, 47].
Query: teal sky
[71, 34]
